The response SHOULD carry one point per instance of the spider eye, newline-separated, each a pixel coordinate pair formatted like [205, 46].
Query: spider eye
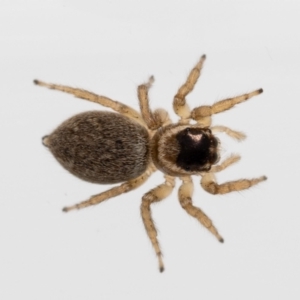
[214, 142]
[214, 157]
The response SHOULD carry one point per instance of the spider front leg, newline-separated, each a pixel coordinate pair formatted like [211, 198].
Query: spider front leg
[202, 114]
[180, 106]
[115, 191]
[157, 194]
[209, 184]
[155, 119]
[185, 199]
[225, 164]
[104, 101]
[237, 135]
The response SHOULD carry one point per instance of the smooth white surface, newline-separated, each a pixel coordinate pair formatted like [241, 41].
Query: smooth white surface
[109, 47]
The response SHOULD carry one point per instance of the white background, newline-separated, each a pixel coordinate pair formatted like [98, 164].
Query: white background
[109, 47]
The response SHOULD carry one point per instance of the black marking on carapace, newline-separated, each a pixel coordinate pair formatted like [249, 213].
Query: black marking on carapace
[197, 149]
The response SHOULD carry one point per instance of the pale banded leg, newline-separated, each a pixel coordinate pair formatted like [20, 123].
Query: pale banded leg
[225, 164]
[154, 119]
[185, 199]
[202, 114]
[180, 106]
[209, 184]
[157, 194]
[115, 191]
[237, 135]
[104, 101]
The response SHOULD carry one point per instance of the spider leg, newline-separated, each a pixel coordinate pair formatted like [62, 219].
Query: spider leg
[225, 164]
[155, 119]
[237, 135]
[157, 194]
[185, 199]
[115, 191]
[180, 106]
[202, 114]
[104, 101]
[209, 184]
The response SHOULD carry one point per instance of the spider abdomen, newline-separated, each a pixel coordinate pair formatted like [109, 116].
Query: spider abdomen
[101, 147]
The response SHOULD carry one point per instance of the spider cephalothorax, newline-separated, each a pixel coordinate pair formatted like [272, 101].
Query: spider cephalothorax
[180, 150]
[128, 146]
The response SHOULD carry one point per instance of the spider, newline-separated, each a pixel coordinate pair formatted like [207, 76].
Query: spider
[126, 147]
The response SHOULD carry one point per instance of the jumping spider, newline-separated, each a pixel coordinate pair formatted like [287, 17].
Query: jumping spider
[128, 146]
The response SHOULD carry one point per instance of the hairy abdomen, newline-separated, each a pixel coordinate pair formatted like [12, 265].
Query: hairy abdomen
[101, 147]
